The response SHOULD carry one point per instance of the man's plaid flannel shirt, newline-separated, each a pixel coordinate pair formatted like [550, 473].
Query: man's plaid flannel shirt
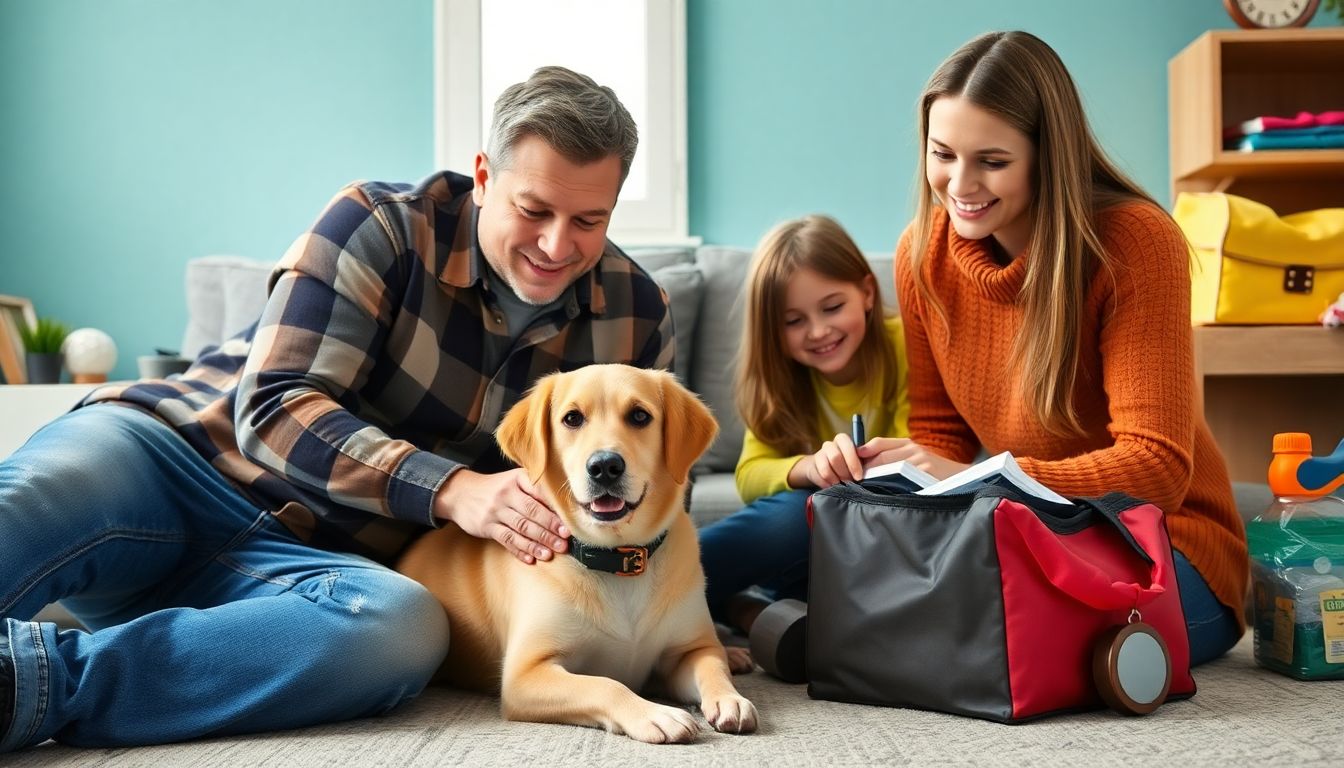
[360, 389]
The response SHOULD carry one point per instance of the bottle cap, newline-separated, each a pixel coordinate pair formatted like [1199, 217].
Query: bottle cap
[1295, 472]
[1292, 442]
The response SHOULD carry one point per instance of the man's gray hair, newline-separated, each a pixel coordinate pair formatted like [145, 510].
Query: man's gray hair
[578, 118]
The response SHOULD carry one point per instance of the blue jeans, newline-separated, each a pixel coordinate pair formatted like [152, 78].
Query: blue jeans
[208, 616]
[764, 544]
[1210, 625]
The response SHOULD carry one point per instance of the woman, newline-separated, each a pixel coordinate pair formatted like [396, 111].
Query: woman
[1046, 306]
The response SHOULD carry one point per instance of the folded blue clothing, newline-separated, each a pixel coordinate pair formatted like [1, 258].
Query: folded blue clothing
[1323, 137]
[1319, 130]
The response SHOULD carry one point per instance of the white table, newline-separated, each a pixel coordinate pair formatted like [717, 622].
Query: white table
[26, 407]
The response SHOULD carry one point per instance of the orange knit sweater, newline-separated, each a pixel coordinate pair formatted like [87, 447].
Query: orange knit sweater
[1135, 393]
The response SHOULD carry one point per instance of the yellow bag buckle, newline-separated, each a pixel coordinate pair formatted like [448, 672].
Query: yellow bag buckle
[1297, 278]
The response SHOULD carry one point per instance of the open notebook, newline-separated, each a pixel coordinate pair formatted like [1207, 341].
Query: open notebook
[1001, 469]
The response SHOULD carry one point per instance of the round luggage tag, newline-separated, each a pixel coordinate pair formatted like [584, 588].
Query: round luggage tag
[1131, 667]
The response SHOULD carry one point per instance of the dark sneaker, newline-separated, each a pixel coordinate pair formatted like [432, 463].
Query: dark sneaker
[741, 610]
[779, 640]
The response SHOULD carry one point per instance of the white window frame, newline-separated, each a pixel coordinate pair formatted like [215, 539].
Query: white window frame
[661, 218]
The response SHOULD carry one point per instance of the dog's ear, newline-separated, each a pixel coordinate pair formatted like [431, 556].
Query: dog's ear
[688, 427]
[525, 433]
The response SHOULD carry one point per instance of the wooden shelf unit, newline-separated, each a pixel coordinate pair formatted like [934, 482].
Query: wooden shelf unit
[1274, 163]
[1269, 350]
[1226, 77]
[1255, 381]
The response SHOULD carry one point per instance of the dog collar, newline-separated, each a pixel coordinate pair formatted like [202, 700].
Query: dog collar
[622, 561]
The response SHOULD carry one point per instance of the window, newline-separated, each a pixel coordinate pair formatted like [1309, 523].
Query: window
[636, 47]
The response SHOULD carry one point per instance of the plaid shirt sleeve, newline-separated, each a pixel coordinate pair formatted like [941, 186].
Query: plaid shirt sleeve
[332, 302]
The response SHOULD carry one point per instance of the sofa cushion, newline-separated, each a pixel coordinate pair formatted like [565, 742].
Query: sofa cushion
[684, 285]
[714, 357]
[713, 497]
[653, 259]
[225, 294]
[883, 265]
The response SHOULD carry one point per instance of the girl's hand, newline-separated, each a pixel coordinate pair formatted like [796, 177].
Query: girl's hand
[885, 450]
[836, 462]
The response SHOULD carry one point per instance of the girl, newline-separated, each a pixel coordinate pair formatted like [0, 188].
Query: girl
[817, 348]
[1054, 295]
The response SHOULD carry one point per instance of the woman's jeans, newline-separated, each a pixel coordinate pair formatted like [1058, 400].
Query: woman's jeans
[766, 544]
[208, 616]
[1211, 626]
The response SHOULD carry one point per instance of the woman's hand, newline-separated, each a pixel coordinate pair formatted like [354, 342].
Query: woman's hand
[836, 462]
[506, 507]
[885, 450]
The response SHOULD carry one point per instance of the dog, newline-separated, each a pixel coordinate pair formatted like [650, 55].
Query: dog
[571, 639]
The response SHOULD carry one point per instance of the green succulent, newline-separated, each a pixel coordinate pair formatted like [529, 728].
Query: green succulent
[44, 338]
[1334, 6]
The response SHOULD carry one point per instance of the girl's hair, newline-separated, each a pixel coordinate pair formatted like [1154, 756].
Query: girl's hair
[774, 392]
[1020, 79]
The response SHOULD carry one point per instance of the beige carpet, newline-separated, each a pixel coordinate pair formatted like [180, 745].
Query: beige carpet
[1242, 715]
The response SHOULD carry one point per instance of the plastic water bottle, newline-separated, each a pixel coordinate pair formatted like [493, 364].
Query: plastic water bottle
[1306, 586]
[1297, 564]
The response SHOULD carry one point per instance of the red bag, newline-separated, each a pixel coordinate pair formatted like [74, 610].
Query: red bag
[986, 604]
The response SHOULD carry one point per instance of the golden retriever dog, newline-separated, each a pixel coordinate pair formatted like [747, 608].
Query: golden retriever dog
[571, 639]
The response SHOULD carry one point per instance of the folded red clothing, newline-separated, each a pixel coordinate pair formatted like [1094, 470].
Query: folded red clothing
[1268, 123]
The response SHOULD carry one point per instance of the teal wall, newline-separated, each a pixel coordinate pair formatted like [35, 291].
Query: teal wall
[137, 134]
[799, 106]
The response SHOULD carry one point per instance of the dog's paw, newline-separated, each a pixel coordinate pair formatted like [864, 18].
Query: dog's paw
[739, 660]
[730, 714]
[660, 724]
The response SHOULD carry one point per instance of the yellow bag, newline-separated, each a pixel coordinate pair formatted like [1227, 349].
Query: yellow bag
[1254, 267]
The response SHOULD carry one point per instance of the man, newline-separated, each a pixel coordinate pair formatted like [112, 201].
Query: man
[222, 534]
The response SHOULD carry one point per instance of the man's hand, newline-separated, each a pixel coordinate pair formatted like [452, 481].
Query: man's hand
[885, 450]
[505, 507]
[836, 462]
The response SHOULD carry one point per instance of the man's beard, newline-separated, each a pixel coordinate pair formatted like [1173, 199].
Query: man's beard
[512, 283]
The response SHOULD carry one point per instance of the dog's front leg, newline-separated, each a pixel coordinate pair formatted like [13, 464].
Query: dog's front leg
[540, 690]
[699, 673]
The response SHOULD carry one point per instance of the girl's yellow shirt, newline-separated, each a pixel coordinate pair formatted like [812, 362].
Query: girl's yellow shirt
[763, 471]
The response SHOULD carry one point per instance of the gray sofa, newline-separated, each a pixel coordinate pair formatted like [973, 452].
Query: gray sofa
[704, 285]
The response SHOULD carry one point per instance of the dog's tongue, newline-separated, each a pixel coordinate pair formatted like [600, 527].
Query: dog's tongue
[608, 503]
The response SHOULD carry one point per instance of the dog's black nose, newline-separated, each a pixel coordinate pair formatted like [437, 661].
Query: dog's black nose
[605, 467]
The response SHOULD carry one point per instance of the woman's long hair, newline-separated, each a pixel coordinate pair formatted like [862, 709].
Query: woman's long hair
[1020, 79]
[774, 392]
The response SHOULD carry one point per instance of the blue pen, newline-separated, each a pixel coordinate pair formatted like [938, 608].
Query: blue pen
[856, 429]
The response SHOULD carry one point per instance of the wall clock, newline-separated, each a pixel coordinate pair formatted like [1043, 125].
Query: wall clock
[1271, 14]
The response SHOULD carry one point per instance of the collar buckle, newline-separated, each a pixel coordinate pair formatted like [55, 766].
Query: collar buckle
[633, 560]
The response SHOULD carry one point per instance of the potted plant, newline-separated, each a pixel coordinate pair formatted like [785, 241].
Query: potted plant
[42, 343]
